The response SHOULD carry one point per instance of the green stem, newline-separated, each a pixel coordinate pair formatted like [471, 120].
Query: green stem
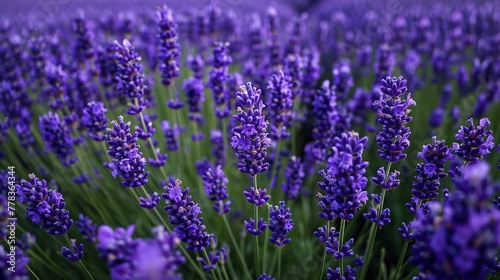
[341, 243]
[256, 221]
[32, 272]
[275, 164]
[279, 263]
[238, 251]
[324, 252]
[373, 230]
[401, 257]
[80, 262]
[264, 259]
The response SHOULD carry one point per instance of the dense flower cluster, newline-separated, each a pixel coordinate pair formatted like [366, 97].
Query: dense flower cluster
[393, 115]
[294, 177]
[183, 213]
[95, 120]
[476, 141]
[280, 224]
[280, 103]
[44, 205]
[57, 138]
[249, 138]
[344, 181]
[128, 162]
[218, 77]
[214, 183]
[169, 48]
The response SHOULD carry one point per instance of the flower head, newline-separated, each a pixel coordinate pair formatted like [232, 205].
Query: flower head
[476, 141]
[280, 224]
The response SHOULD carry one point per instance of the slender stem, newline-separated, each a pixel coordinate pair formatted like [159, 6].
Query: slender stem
[341, 243]
[256, 219]
[324, 252]
[226, 276]
[276, 159]
[279, 263]
[218, 269]
[238, 251]
[401, 257]
[210, 263]
[373, 230]
[264, 259]
[32, 272]
[80, 262]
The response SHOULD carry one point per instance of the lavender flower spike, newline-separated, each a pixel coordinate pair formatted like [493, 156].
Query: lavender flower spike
[128, 161]
[476, 141]
[280, 101]
[169, 49]
[249, 138]
[393, 115]
[214, 183]
[280, 224]
[57, 138]
[44, 205]
[217, 78]
[294, 176]
[94, 119]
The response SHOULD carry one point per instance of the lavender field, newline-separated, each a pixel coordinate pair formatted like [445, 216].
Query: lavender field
[232, 139]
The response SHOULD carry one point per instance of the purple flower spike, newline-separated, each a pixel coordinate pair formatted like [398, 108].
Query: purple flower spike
[217, 140]
[75, 254]
[195, 97]
[169, 49]
[476, 141]
[280, 224]
[83, 46]
[57, 139]
[118, 248]
[393, 115]
[150, 202]
[373, 217]
[44, 205]
[86, 228]
[95, 120]
[218, 76]
[171, 133]
[127, 162]
[294, 177]
[429, 173]
[214, 183]
[325, 110]
[257, 197]
[183, 213]
[162, 159]
[280, 103]
[388, 183]
[213, 259]
[249, 138]
[344, 181]
[250, 226]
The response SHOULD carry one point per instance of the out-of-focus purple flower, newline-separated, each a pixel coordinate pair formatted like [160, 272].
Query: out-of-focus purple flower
[217, 78]
[273, 39]
[57, 139]
[280, 224]
[95, 120]
[342, 80]
[393, 115]
[183, 213]
[36, 46]
[118, 248]
[171, 134]
[292, 68]
[87, 228]
[344, 181]
[162, 159]
[311, 71]
[296, 31]
[431, 171]
[21, 259]
[106, 64]
[195, 97]
[384, 62]
[128, 161]
[196, 65]
[436, 117]
[214, 183]
[83, 49]
[294, 177]
[325, 110]
[217, 141]
[463, 233]
[280, 102]
[476, 141]
[249, 138]
[75, 254]
[44, 205]
[169, 48]
[213, 259]
[265, 277]
[463, 80]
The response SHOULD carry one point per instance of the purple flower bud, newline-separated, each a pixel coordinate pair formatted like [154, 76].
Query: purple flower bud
[217, 78]
[257, 197]
[75, 254]
[217, 141]
[95, 120]
[214, 183]
[150, 202]
[388, 183]
[294, 177]
[265, 277]
[280, 224]
[86, 228]
[476, 141]
[280, 102]
[169, 49]
[255, 230]
[57, 138]
[335, 274]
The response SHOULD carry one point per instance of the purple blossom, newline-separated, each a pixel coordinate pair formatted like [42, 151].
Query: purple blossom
[169, 49]
[294, 177]
[218, 77]
[118, 248]
[195, 97]
[344, 181]
[75, 254]
[325, 110]
[255, 229]
[213, 259]
[265, 277]
[95, 120]
[280, 224]
[387, 182]
[249, 138]
[183, 212]
[83, 49]
[280, 102]
[171, 134]
[335, 274]
[127, 160]
[57, 139]
[44, 205]
[373, 216]
[476, 141]
[393, 115]
[217, 141]
[214, 183]
[257, 197]
[87, 228]
[150, 202]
